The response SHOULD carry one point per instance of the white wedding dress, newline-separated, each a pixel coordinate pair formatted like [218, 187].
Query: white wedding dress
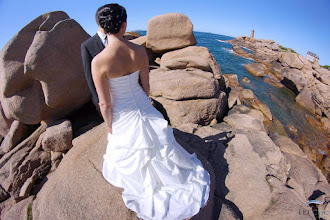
[160, 179]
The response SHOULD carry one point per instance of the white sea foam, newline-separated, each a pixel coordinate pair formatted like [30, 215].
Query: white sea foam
[228, 50]
[250, 51]
[223, 41]
[248, 58]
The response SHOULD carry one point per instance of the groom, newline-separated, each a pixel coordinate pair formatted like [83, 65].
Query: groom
[89, 49]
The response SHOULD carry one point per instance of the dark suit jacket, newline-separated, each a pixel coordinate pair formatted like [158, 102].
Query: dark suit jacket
[89, 49]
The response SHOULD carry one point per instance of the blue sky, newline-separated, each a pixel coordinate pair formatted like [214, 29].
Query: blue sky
[300, 24]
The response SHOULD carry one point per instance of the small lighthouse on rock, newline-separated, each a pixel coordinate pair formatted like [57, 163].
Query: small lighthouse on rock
[252, 33]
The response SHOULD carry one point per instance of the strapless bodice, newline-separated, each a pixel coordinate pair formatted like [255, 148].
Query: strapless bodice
[127, 94]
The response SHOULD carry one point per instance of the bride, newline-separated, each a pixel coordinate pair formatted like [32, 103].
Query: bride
[160, 180]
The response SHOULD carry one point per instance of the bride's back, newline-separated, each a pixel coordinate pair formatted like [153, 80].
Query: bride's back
[120, 58]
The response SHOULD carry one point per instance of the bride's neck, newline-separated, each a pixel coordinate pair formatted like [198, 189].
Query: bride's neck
[115, 37]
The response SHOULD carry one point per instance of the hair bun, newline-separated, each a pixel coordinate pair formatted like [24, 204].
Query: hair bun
[111, 18]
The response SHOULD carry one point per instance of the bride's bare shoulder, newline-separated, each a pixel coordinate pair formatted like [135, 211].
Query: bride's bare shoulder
[101, 60]
[135, 46]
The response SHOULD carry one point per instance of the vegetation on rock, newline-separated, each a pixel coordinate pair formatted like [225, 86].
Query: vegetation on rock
[285, 49]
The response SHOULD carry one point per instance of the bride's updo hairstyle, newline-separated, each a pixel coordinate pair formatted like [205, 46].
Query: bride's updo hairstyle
[110, 17]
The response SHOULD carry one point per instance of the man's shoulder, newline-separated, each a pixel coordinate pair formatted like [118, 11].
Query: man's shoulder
[90, 40]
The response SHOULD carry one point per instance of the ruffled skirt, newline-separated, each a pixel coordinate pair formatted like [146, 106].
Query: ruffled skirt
[161, 180]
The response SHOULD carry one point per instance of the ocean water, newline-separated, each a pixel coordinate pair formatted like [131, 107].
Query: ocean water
[297, 122]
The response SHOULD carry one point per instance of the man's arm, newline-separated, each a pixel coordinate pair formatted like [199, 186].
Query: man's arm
[87, 60]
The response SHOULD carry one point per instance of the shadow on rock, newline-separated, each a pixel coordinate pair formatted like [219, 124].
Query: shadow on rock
[213, 148]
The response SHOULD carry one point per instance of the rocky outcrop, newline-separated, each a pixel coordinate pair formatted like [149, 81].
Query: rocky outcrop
[173, 86]
[21, 210]
[58, 137]
[17, 132]
[291, 59]
[81, 172]
[191, 57]
[140, 40]
[263, 50]
[169, 31]
[41, 70]
[198, 111]
[247, 94]
[25, 160]
[294, 79]
[244, 121]
[5, 123]
[182, 84]
[42, 80]
[238, 95]
[256, 175]
[131, 35]
[239, 50]
[287, 145]
[307, 80]
[305, 99]
[256, 69]
[253, 199]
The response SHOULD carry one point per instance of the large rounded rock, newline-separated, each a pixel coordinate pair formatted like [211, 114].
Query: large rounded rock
[287, 145]
[324, 93]
[182, 84]
[17, 132]
[198, 111]
[294, 79]
[255, 69]
[79, 178]
[286, 203]
[304, 98]
[233, 98]
[324, 75]
[5, 123]
[306, 174]
[291, 59]
[239, 50]
[22, 162]
[194, 57]
[244, 121]
[307, 64]
[247, 94]
[263, 108]
[58, 137]
[41, 70]
[140, 40]
[169, 31]
[242, 109]
[265, 55]
[248, 188]
[326, 79]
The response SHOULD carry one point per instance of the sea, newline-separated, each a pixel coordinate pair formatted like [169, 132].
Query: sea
[301, 126]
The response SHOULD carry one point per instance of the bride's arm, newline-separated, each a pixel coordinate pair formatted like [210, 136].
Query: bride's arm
[144, 73]
[103, 90]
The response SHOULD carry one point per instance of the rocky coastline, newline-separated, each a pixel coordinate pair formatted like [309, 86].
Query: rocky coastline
[52, 142]
[309, 82]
